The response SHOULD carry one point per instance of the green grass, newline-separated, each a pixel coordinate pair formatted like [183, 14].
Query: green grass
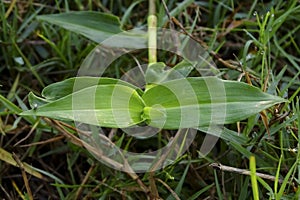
[258, 38]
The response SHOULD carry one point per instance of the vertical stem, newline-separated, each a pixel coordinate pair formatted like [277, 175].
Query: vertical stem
[253, 178]
[152, 37]
[152, 8]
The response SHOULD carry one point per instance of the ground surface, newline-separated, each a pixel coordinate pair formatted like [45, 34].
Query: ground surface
[258, 39]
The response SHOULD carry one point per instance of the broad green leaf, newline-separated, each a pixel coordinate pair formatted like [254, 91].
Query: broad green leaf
[97, 27]
[184, 68]
[181, 103]
[111, 105]
[158, 72]
[94, 25]
[60, 89]
[200, 102]
[35, 101]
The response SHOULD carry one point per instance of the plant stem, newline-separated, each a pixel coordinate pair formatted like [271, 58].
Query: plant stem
[253, 178]
[152, 23]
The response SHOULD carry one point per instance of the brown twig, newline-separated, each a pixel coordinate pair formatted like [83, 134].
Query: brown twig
[153, 189]
[172, 26]
[57, 138]
[243, 171]
[21, 166]
[169, 188]
[28, 135]
[97, 152]
[86, 178]
[204, 45]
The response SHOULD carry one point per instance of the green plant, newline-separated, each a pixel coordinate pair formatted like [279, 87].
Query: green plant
[187, 102]
[132, 106]
[263, 36]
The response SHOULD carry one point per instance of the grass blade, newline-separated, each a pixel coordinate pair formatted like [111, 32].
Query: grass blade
[197, 194]
[277, 174]
[218, 188]
[8, 158]
[180, 183]
[12, 107]
[243, 195]
[285, 181]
